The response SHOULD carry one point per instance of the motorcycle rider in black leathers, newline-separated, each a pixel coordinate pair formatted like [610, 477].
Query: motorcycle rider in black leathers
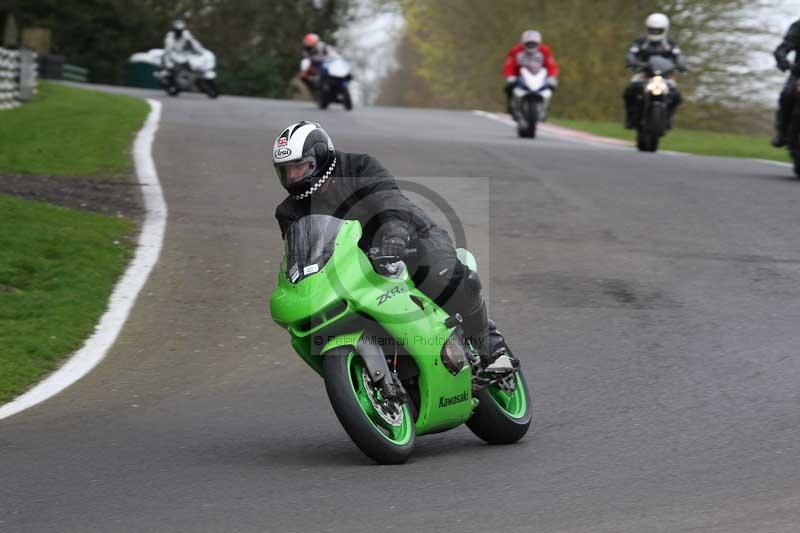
[322, 180]
[791, 42]
[642, 49]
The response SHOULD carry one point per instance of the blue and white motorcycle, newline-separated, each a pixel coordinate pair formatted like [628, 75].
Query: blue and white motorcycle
[530, 100]
[332, 85]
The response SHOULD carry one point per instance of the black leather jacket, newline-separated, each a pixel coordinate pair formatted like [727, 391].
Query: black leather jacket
[642, 49]
[360, 189]
[791, 41]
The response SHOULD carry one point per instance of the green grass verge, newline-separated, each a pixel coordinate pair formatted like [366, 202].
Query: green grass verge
[690, 141]
[58, 266]
[70, 132]
[57, 269]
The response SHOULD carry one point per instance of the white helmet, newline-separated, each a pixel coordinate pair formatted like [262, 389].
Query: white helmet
[657, 27]
[178, 27]
[304, 158]
[531, 36]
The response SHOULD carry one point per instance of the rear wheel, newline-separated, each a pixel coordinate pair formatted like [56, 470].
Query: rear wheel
[383, 429]
[504, 413]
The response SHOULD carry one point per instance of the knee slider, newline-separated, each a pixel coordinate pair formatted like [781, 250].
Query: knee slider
[472, 283]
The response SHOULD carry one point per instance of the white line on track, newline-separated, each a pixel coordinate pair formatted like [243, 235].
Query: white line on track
[776, 163]
[563, 134]
[566, 134]
[127, 288]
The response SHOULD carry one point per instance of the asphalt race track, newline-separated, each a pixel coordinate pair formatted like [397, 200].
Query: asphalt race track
[653, 299]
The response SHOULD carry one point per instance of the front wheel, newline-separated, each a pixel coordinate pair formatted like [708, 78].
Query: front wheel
[324, 99]
[346, 99]
[653, 128]
[646, 141]
[795, 153]
[529, 109]
[504, 413]
[381, 428]
[794, 139]
[209, 87]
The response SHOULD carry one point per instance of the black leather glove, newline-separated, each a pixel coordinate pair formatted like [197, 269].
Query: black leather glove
[784, 64]
[393, 246]
[393, 237]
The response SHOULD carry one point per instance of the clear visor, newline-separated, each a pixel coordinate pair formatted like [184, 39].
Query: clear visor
[296, 171]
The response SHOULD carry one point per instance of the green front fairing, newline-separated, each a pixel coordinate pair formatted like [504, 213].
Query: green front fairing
[445, 400]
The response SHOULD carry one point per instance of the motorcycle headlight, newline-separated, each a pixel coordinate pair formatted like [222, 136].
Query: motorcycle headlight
[657, 86]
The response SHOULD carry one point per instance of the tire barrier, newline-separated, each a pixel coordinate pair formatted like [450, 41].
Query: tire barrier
[18, 76]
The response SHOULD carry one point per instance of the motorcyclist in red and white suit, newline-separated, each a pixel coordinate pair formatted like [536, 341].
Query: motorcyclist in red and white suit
[533, 54]
[315, 52]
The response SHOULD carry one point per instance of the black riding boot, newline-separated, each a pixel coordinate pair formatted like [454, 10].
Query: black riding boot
[631, 110]
[483, 333]
[780, 129]
[670, 115]
[507, 90]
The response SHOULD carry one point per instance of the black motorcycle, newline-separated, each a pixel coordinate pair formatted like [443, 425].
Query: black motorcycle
[793, 136]
[654, 102]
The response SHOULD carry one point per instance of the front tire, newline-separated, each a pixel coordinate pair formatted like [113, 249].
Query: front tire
[652, 130]
[646, 141]
[795, 153]
[324, 99]
[794, 139]
[386, 439]
[530, 110]
[347, 100]
[209, 87]
[502, 417]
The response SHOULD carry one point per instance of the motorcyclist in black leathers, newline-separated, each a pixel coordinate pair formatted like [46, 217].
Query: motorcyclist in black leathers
[322, 180]
[791, 42]
[655, 42]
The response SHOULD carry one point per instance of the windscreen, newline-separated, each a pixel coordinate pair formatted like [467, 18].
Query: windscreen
[309, 245]
[661, 64]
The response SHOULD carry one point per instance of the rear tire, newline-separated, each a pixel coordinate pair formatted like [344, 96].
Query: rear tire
[347, 391]
[496, 423]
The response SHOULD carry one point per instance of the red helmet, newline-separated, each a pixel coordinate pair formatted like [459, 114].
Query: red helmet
[311, 40]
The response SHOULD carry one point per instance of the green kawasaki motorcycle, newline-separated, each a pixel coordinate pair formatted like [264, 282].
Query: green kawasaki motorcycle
[395, 364]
